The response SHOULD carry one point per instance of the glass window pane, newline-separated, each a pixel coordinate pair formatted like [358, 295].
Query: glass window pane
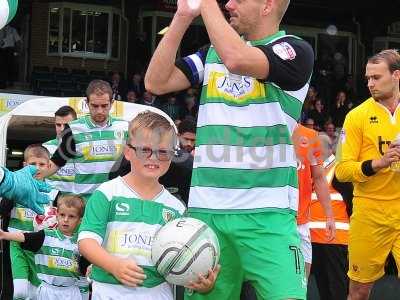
[78, 31]
[54, 29]
[333, 56]
[90, 32]
[115, 36]
[309, 39]
[195, 37]
[66, 30]
[100, 32]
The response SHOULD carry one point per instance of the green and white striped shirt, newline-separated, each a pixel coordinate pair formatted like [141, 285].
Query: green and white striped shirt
[21, 219]
[63, 180]
[97, 150]
[125, 225]
[245, 159]
[56, 256]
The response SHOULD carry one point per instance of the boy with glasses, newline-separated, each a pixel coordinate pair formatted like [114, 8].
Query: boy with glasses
[124, 214]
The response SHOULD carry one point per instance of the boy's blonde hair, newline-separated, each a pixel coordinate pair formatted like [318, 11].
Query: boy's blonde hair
[154, 122]
[74, 201]
[36, 150]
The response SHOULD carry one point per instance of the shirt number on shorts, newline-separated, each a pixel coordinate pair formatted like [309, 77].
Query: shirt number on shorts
[297, 253]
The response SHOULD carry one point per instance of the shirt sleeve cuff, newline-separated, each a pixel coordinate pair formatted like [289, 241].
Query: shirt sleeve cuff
[90, 235]
[2, 175]
[366, 168]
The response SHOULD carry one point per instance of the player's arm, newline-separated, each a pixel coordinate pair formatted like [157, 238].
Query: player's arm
[12, 236]
[321, 188]
[320, 184]
[262, 62]
[162, 76]
[90, 239]
[22, 188]
[349, 167]
[31, 241]
[65, 151]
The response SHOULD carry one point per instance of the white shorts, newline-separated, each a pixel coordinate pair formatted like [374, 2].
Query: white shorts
[50, 292]
[106, 291]
[24, 289]
[305, 242]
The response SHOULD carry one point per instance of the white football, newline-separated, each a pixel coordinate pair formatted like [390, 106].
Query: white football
[48, 220]
[184, 248]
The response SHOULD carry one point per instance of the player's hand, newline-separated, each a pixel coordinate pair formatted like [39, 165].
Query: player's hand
[25, 190]
[330, 229]
[392, 154]
[205, 284]
[2, 234]
[185, 11]
[89, 271]
[128, 272]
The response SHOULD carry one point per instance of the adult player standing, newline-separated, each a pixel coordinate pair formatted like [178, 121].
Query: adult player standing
[366, 151]
[244, 182]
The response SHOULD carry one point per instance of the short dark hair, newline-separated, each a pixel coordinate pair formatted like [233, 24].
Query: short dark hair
[389, 56]
[187, 125]
[36, 150]
[99, 87]
[64, 111]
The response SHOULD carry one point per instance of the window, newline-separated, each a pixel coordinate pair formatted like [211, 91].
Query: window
[84, 31]
[54, 29]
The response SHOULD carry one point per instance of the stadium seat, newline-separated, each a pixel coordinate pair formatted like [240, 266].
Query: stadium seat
[60, 70]
[48, 88]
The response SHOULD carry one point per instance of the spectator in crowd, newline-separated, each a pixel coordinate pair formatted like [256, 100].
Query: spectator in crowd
[349, 89]
[149, 99]
[309, 102]
[132, 97]
[309, 123]
[318, 114]
[330, 132]
[190, 107]
[10, 41]
[187, 134]
[171, 107]
[136, 84]
[118, 86]
[340, 109]
[192, 92]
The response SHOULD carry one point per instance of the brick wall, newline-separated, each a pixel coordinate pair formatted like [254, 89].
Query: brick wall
[39, 57]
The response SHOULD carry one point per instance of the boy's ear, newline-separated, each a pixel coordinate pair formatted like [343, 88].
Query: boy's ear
[127, 153]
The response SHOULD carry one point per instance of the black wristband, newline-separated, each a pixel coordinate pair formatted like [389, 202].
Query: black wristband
[366, 168]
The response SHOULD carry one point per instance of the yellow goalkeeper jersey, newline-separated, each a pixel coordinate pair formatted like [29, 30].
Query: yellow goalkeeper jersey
[367, 133]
